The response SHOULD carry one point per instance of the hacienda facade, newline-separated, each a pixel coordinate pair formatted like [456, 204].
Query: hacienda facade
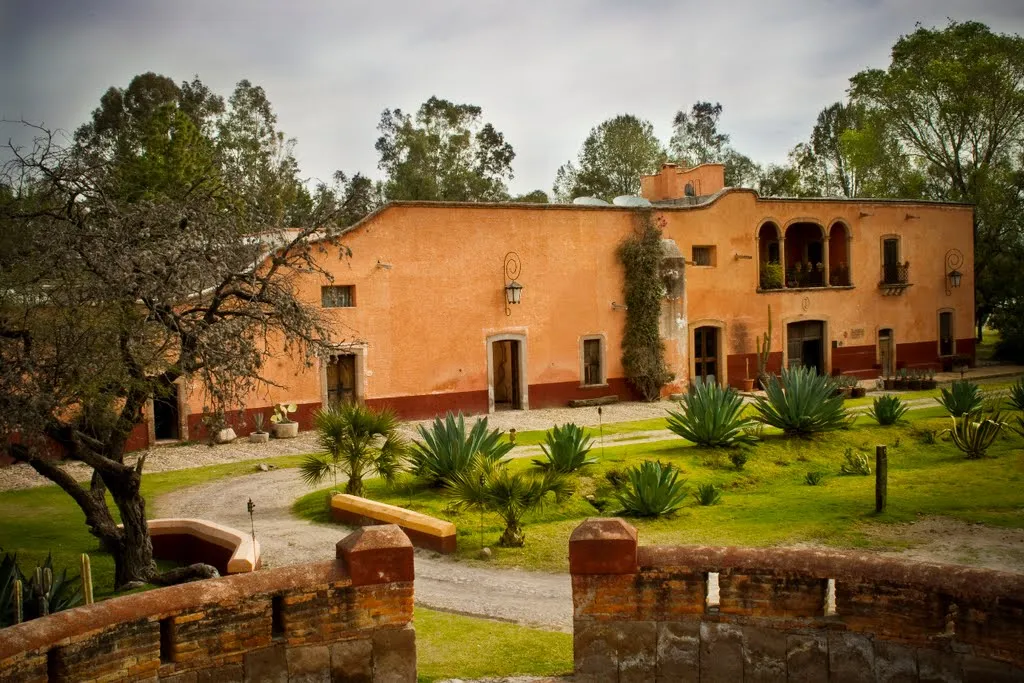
[424, 324]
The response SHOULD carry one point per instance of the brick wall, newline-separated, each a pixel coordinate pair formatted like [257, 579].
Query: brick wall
[346, 620]
[647, 614]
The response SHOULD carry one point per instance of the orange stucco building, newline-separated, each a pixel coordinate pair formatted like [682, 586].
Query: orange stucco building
[859, 287]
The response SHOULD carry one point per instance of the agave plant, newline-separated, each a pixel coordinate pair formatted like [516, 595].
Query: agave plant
[44, 591]
[708, 494]
[566, 449]
[356, 442]
[974, 435]
[961, 398]
[652, 490]
[492, 486]
[711, 415]
[888, 410]
[814, 478]
[446, 450]
[1017, 394]
[801, 403]
[856, 463]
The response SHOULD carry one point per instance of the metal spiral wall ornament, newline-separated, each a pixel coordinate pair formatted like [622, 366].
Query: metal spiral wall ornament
[954, 259]
[512, 288]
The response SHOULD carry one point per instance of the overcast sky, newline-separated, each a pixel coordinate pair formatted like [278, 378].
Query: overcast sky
[544, 73]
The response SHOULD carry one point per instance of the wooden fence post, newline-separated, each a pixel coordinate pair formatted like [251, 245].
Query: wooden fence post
[881, 478]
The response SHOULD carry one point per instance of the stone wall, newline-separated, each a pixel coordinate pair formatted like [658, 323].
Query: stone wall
[345, 620]
[729, 614]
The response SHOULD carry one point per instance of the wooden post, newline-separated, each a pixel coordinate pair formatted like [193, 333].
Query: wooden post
[86, 580]
[881, 478]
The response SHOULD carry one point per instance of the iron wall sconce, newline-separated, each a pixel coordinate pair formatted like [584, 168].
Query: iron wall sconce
[954, 259]
[513, 290]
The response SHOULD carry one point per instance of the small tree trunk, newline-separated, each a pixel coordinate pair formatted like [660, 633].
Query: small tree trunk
[133, 555]
[354, 486]
[513, 536]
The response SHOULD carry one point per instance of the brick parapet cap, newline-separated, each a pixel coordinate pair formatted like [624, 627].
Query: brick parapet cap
[377, 554]
[161, 602]
[603, 545]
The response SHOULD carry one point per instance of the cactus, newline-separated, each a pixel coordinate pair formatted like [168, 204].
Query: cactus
[86, 579]
[19, 607]
[764, 350]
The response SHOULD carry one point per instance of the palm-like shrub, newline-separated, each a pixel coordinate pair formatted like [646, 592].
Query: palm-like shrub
[446, 450]
[888, 410]
[565, 449]
[802, 402]
[708, 494]
[652, 490]
[711, 415]
[1017, 394]
[492, 486]
[974, 435]
[961, 398]
[356, 442]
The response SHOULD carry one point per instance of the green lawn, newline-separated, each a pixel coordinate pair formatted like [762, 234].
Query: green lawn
[45, 519]
[455, 646]
[767, 502]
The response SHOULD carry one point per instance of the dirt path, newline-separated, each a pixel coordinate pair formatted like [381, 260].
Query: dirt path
[530, 598]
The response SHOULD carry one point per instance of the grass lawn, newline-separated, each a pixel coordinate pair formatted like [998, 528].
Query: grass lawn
[767, 502]
[45, 519]
[455, 646]
[987, 348]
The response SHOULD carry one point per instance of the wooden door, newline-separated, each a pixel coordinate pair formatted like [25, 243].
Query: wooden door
[885, 355]
[705, 353]
[341, 380]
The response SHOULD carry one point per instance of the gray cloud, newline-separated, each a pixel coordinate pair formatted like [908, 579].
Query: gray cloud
[544, 73]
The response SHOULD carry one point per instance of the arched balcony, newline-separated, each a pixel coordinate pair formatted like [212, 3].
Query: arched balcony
[769, 250]
[806, 260]
[839, 256]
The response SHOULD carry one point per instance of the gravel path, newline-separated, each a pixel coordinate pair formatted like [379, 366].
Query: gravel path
[530, 598]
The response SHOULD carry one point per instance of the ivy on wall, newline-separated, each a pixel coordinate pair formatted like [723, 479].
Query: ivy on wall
[643, 354]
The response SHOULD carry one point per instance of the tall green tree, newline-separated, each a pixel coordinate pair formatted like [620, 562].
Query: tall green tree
[443, 153]
[954, 99]
[697, 140]
[613, 157]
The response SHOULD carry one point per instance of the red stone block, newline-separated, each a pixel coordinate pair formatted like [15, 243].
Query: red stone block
[603, 546]
[377, 554]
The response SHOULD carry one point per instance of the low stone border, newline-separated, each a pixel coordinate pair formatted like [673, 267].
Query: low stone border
[198, 540]
[423, 530]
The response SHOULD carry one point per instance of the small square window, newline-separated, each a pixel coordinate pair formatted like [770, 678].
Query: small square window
[593, 372]
[338, 296]
[703, 256]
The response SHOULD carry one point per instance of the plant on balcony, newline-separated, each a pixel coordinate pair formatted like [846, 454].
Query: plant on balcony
[771, 276]
[446, 450]
[960, 398]
[652, 489]
[802, 403]
[565, 449]
[711, 416]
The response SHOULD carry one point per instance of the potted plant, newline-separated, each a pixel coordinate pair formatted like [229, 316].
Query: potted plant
[258, 435]
[901, 379]
[890, 382]
[914, 384]
[748, 381]
[283, 426]
[221, 432]
[929, 383]
[856, 390]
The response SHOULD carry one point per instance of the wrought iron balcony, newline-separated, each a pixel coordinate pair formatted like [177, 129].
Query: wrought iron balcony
[895, 278]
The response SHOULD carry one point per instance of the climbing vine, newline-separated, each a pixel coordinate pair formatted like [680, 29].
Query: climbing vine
[643, 355]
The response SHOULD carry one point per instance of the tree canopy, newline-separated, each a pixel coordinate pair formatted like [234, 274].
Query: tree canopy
[443, 153]
[613, 157]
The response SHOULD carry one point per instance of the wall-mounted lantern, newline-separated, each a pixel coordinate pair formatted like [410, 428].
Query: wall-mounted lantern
[513, 290]
[954, 259]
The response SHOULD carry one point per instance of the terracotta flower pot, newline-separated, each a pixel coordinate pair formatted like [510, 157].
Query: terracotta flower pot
[748, 385]
[286, 430]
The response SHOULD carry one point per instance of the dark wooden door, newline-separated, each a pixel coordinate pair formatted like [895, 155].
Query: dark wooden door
[946, 334]
[517, 379]
[885, 352]
[341, 379]
[705, 353]
[165, 414]
[805, 345]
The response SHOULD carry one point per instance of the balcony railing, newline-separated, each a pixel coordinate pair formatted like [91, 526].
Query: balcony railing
[895, 278]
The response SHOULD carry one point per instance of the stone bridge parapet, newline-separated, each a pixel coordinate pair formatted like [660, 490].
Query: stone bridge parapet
[731, 614]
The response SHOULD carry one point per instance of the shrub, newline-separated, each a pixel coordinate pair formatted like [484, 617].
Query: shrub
[771, 276]
[616, 477]
[356, 441]
[446, 450]
[652, 490]
[974, 435]
[856, 463]
[708, 494]
[510, 495]
[888, 410]
[962, 397]
[814, 478]
[1017, 394]
[739, 459]
[711, 416]
[566, 449]
[802, 403]
[58, 591]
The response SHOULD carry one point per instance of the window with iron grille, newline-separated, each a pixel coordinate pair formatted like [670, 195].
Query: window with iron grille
[592, 373]
[337, 296]
[703, 256]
